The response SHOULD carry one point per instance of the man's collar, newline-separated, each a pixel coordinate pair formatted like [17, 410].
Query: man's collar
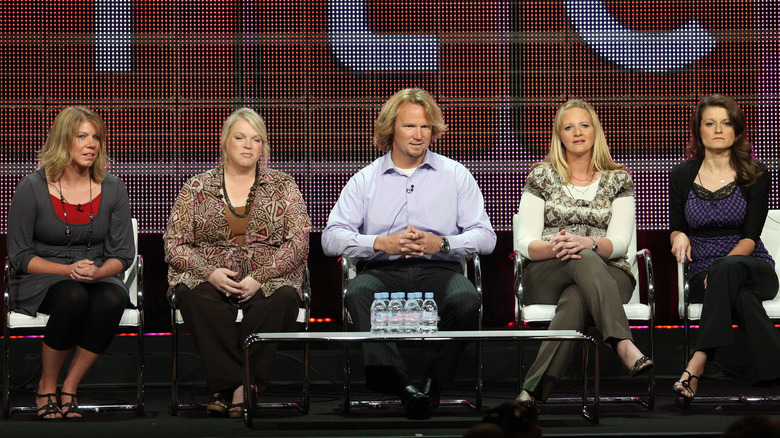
[430, 159]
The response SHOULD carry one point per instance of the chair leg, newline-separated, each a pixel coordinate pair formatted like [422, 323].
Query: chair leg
[478, 401]
[306, 369]
[651, 377]
[6, 372]
[687, 347]
[174, 407]
[140, 394]
[347, 401]
[520, 367]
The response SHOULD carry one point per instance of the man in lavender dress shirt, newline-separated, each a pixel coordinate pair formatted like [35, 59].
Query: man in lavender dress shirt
[411, 217]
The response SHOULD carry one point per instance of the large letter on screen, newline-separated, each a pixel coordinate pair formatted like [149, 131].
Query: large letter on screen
[653, 52]
[358, 48]
[113, 50]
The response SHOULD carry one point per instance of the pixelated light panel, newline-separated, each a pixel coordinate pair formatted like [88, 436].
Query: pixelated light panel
[165, 75]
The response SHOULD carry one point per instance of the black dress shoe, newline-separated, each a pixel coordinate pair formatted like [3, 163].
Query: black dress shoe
[417, 404]
[432, 388]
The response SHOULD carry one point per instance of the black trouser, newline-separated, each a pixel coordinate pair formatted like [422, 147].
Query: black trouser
[736, 287]
[456, 298]
[83, 313]
[211, 318]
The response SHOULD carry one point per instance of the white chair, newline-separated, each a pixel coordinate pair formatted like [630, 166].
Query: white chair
[131, 319]
[688, 311]
[635, 309]
[177, 320]
[348, 272]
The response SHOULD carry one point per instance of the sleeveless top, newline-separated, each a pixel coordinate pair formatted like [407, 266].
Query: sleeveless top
[724, 208]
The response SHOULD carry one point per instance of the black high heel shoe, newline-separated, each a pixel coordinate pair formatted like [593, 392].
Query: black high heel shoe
[73, 412]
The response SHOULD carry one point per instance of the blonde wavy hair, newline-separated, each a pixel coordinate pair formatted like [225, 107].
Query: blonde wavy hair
[600, 159]
[255, 121]
[57, 152]
[385, 123]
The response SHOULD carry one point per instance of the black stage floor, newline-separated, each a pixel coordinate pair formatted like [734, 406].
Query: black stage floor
[327, 420]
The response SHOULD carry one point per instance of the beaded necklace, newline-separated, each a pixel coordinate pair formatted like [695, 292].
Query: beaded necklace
[67, 225]
[249, 198]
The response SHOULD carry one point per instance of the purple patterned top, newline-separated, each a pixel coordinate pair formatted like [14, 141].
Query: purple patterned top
[723, 209]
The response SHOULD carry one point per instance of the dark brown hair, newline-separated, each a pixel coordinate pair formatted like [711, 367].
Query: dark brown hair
[741, 150]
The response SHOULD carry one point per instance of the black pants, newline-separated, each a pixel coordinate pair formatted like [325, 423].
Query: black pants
[211, 318]
[736, 287]
[456, 298]
[83, 314]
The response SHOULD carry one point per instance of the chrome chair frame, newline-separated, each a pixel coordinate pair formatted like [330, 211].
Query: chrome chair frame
[688, 311]
[635, 311]
[176, 319]
[131, 318]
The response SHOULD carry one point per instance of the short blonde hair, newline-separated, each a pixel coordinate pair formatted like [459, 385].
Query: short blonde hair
[385, 123]
[255, 121]
[600, 159]
[57, 152]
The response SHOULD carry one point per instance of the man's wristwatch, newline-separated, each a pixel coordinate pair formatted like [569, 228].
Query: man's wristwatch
[445, 245]
[595, 247]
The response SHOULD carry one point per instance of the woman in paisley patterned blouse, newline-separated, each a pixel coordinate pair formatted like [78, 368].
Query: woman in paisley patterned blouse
[578, 220]
[237, 237]
[719, 199]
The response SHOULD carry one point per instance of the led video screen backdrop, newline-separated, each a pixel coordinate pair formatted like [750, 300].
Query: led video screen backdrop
[165, 75]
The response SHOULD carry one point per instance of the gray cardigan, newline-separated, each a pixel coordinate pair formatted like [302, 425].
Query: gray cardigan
[34, 229]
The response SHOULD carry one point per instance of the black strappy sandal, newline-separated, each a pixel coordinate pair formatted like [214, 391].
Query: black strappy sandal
[642, 365]
[50, 408]
[680, 386]
[73, 412]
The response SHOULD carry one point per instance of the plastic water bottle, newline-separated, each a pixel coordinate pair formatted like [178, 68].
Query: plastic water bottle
[413, 312]
[419, 298]
[395, 311]
[429, 323]
[379, 313]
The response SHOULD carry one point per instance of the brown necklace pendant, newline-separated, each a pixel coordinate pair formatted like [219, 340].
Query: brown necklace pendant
[249, 199]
